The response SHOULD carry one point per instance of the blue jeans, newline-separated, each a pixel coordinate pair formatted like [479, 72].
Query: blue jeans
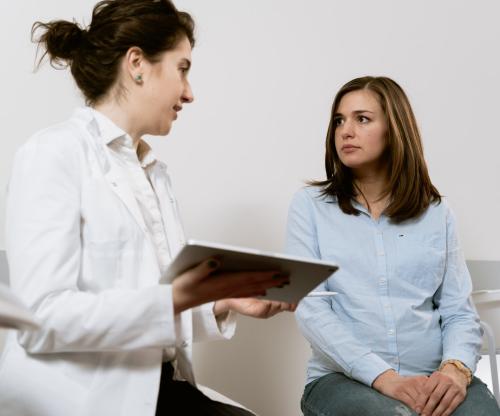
[337, 395]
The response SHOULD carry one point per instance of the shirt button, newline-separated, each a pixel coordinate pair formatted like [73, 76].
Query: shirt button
[381, 253]
[382, 280]
[387, 306]
[391, 332]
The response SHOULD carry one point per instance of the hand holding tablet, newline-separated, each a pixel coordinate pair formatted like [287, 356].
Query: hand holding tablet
[303, 274]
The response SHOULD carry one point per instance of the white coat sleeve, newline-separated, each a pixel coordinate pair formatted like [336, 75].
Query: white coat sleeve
[43, 249]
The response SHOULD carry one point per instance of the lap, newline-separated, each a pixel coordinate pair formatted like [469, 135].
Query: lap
[478, 402]
[338, 395]
[181, 398]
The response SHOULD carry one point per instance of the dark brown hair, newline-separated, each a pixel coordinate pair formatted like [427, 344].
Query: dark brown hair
[93, 54]
[409, 187]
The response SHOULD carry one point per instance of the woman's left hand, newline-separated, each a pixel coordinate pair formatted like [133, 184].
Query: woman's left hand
[444, 391]
[256, 308]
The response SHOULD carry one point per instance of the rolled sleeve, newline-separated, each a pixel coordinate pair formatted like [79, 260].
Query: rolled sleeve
[207, 327]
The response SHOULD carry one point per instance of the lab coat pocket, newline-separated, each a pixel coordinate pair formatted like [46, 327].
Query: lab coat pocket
[104, 258]
[421, 259]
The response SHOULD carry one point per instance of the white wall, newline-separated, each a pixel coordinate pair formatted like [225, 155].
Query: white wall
[264, 75]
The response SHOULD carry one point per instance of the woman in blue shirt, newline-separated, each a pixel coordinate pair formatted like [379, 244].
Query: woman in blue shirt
[402, 336]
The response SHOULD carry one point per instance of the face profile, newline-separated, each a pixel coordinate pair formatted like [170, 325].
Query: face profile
[164, 88]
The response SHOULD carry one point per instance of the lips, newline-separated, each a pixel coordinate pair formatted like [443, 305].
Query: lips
[176, 108]
[348, 148]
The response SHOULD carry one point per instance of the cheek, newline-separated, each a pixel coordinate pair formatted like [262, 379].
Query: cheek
[377, 143]
[338, 142]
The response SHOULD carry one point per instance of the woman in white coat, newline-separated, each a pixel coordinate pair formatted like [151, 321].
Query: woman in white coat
[92, 225]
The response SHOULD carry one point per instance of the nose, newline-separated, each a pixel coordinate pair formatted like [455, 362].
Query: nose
[346, 130]
[187, 94]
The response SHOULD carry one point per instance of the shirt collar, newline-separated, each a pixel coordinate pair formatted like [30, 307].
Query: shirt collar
[111, 133]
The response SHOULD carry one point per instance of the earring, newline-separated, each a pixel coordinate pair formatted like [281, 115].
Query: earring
[138, 79]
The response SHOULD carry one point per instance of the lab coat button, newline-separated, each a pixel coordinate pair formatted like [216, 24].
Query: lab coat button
[184, 344]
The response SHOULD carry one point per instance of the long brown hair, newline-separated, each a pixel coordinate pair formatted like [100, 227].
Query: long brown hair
[410, 187]
[93, 53]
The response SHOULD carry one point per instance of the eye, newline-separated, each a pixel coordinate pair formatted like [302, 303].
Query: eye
[184, 70]
[337, 121]
[363, 119]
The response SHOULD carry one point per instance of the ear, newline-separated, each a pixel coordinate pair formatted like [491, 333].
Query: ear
[134, 63]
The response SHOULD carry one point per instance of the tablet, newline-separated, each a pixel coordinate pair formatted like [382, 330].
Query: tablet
[305, 273]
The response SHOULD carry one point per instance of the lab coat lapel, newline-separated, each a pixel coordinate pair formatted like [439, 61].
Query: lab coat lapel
[113, 174]
[121, 188]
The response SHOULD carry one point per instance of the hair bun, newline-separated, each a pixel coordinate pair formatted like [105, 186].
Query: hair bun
[62, 38]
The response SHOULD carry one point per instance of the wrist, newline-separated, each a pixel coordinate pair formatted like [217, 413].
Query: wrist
[221, 307]
[379, 383]
[179, 300]
[457, 368]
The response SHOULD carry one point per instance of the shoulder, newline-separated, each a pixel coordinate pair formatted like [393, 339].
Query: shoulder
[440, 209]
[62, 139]
[312, 196]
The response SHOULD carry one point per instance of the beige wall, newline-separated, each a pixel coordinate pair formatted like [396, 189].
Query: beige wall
[262, 367]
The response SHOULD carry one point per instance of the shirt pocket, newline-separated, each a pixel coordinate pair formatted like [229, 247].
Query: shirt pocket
[420, 260]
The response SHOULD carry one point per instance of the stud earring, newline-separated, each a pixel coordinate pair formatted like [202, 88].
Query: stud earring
[138, 79]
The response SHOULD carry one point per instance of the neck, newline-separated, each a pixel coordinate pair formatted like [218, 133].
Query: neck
[123, 115]
[372, 184]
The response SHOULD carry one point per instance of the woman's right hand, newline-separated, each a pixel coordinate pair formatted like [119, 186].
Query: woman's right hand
[404, 389]
[201, 284]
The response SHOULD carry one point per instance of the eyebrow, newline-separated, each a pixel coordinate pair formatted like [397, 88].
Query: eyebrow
[355, 112]
[186, 62]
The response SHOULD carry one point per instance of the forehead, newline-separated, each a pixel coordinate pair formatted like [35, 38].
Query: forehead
[359, 100]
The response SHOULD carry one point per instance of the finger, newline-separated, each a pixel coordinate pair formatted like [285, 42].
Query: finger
[251, 292]
[204, 269]
[282, 306]
[265, 279]
[435, 398]
[444, 402]
[288, 307]
[457, 400]
[250, 280]
[426, 392]
[408, 400]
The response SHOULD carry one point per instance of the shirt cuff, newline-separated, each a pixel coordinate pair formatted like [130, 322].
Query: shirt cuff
[367, 368]
[465, 358]
[207, 327]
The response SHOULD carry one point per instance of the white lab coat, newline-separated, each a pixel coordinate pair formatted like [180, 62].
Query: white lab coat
[81, 259]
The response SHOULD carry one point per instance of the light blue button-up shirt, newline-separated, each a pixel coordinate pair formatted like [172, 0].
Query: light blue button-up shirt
[404, 291]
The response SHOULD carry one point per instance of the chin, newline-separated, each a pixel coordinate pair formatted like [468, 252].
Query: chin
[163, 130]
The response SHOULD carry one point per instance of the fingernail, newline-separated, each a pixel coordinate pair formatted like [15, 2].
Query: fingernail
[213, 264]
[418, 409]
